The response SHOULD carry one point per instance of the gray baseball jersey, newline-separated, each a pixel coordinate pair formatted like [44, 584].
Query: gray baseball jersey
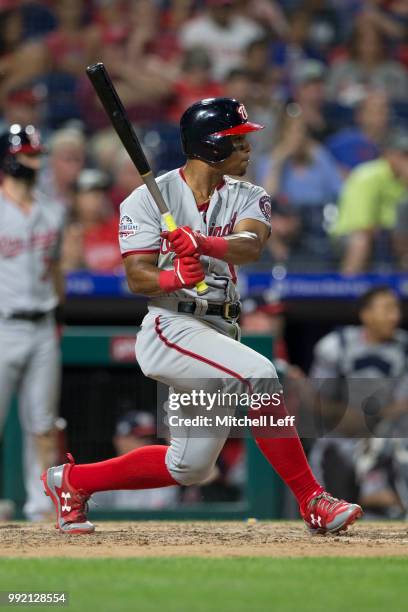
[28, 245]
[231, 202]
[29, 356]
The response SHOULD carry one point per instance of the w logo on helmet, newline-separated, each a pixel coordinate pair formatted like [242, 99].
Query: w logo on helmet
[205, 123]
[243, 112]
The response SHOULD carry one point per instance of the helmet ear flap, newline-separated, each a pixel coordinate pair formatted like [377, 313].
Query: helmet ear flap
[213, 150]
[220, 148]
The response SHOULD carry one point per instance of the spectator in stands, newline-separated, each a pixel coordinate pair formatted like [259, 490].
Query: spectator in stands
[67, 49]
[391, 17]
[177, 12]
[369, 203]
[344, 362]
[153, 34]
[368, 65]
[257, 61]
[261, 105]
[104, 148]
[237, 84]
[400, 236]
[194, 83]
[125, 178]
[19, 61]
[38, 19]
[260, 97]
[134, 430]
[268, 13]
[295, 47]
[25, 107]
[324, 29]
[399, 16]
[309, 92]
[148, 28]
[143, 81]
[66, 52]
[363, 142]
[303, 178]
[67, 152]
[223, 32]
[111, 16]
[91, 239]
[113, 55]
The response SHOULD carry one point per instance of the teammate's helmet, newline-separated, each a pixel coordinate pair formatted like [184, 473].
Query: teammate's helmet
[207, 126]
[18, 139]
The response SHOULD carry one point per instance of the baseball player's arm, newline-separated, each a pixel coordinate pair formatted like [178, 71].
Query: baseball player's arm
[142, 274]
[243, 246]
[246, 242]
[145, 278]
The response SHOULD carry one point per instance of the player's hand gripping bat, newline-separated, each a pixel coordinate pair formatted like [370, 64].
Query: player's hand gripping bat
[113, 106]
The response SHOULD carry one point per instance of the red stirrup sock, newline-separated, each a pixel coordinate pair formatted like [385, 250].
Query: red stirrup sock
[142, 468]
[286, 455]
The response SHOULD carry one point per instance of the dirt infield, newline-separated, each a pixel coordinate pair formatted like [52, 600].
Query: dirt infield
[203, 539]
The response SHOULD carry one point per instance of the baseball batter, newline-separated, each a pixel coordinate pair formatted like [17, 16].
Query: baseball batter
[30, 289]
[185, 338]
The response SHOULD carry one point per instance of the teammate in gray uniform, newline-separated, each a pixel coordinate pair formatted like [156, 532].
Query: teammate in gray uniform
[30, 289]
[223, 222]
[351, 364]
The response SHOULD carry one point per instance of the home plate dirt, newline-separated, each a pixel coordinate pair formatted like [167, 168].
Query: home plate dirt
[202, 539]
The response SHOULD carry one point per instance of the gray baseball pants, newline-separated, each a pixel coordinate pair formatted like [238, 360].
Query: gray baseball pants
[174, 346]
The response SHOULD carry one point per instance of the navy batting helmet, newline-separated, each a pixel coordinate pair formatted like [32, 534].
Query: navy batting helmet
[18, 139]
[207, 126]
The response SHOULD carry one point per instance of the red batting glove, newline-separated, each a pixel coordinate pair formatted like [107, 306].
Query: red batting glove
[184, 241]
[187, 272]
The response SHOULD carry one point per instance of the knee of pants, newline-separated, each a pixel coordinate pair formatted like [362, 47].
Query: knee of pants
[194, 472]
[149, 369]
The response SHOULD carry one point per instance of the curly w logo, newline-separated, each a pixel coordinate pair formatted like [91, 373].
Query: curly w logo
[243, 112]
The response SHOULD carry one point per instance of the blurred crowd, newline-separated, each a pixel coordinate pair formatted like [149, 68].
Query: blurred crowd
[327, 78]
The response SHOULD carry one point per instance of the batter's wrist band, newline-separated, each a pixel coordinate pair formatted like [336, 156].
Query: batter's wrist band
[168, 281]
[216, 247]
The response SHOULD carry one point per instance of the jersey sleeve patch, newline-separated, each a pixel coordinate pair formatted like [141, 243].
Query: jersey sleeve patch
[266, 207]
[127, 227]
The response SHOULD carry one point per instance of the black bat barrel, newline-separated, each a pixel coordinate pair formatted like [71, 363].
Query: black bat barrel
[113, 106]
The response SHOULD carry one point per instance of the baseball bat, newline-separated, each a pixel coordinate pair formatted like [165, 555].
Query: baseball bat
[107, 94]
